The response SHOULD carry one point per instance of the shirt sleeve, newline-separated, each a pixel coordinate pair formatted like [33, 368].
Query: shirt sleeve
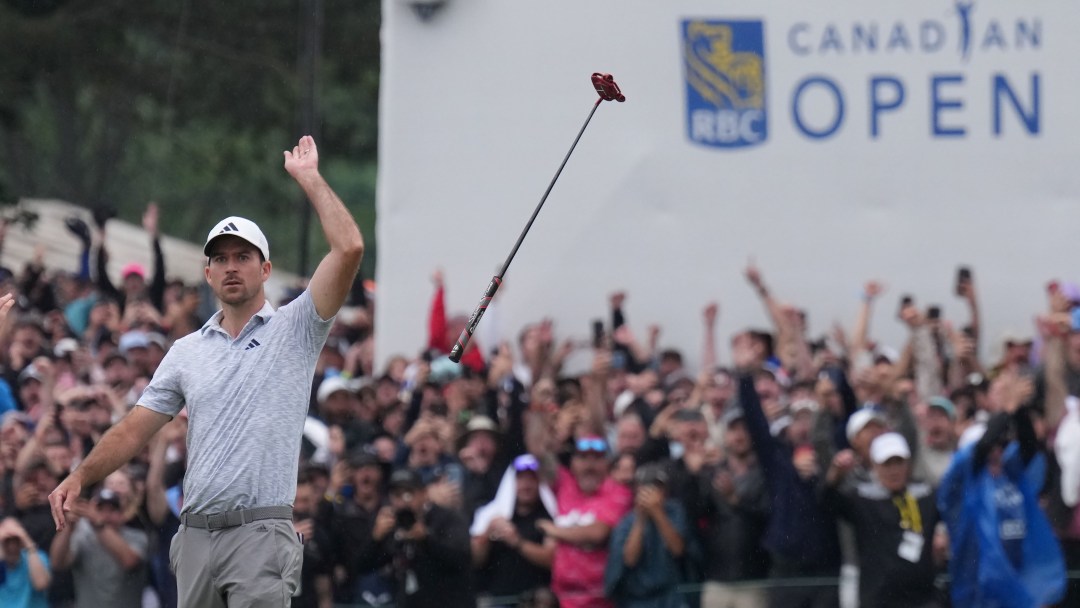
[307, 326]
[165, 394]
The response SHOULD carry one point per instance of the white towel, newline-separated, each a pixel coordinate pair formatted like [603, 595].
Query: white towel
[503, 504]
[1067, 450]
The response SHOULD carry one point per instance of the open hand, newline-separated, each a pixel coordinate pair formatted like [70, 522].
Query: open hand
[304, 158]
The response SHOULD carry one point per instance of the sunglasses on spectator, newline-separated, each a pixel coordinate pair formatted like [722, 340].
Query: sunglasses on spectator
[591, 444]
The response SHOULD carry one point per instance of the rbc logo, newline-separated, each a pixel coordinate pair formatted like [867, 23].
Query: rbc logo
[725, 82]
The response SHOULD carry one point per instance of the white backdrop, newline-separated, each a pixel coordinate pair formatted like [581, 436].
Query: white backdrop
[480, 102]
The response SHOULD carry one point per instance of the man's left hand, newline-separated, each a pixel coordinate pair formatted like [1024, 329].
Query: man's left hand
[303, 160]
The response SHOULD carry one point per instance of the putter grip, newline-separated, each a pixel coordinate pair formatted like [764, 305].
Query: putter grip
[474, 320]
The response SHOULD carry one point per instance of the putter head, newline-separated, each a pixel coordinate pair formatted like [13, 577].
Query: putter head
[606, 88]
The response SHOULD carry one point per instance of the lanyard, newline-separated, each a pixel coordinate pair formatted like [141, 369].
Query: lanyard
[910, 518]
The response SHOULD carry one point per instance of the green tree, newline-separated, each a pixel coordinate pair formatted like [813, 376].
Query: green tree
[187, 103]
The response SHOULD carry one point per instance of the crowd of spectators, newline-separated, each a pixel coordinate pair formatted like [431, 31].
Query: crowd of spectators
[785, 464]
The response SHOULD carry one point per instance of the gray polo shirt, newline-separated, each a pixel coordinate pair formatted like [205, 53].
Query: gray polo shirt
[247, 399]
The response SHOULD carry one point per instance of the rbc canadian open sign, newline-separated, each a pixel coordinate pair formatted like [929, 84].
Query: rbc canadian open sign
[724, 64]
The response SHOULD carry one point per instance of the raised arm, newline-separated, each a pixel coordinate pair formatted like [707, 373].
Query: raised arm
[118, 446]
[594, 391]
[1054, 328]
[709, 358]
[966, 290]
[333, 278]
[965, 356]
[859, 342]
[765, 446]
[104, 285]
[924, 354]
[772, 307]
[157, 283]
[791, 345]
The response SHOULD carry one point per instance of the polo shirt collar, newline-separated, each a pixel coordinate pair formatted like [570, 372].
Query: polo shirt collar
[214, 322]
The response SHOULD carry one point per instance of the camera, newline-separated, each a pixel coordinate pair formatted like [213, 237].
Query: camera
[404, 519]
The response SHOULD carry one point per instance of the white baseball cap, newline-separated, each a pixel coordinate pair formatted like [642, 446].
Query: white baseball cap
[889, 445]
[860, 419]
[804, 405]
[242, 228]
[329, 386]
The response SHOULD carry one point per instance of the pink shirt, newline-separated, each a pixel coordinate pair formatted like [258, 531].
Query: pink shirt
[577, 575]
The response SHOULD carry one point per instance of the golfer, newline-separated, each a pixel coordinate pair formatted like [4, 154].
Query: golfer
[245, 378]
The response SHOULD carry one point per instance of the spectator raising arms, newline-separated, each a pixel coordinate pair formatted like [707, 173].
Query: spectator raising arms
[288, 456]
[894, 522]
[1003, 550]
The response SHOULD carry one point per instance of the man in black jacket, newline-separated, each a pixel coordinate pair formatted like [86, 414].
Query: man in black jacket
[427, 545]
[801, 536]
[894, 524]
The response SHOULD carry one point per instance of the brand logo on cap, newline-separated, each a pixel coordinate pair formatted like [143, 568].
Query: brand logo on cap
[230, 227]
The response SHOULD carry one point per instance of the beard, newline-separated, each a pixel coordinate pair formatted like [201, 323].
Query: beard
[235, 295]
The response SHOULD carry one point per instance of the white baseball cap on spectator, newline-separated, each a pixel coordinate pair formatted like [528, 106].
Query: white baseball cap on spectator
[157, 338]
[804, 405]
[860, 419]
[65, 346]
[30, 372]
[242, 228]
[329, 386]
[889, 445]
[133, 339]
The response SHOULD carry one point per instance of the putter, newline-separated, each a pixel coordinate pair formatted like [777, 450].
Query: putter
[607, 90]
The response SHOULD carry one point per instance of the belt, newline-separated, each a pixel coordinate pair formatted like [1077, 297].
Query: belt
[231, 519]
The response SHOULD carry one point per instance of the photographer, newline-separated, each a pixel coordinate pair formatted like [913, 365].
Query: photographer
[647, 544]
[106, 557]
[427, 544]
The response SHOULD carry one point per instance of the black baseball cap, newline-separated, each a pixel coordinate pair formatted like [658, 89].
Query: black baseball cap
[651, 474]
[405, 479]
